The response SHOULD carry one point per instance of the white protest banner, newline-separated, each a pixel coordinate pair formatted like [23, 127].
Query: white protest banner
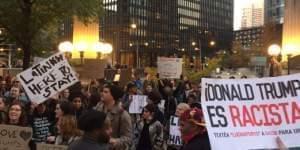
[170, 68]
[245, 114]
[137, 104]
[175, 135]
[50, 147]
[47, 78]
[14, 137]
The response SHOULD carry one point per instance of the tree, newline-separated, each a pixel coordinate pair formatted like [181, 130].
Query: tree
[26, 20]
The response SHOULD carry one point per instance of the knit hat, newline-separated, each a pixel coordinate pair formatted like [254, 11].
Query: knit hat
[91, 120]
[193, 115]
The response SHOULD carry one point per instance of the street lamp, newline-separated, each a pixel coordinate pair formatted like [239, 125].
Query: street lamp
[67, 48]
[134, 26]
[81, 47]
[98, 47]
[274, 50]
[212, 43]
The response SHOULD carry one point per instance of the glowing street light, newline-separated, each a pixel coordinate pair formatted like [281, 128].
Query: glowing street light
[193, 43]
[133, 26]
[274, 50]
[212, 43]
[107, 48]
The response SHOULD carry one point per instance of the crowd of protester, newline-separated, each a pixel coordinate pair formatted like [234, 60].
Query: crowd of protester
[95, 116]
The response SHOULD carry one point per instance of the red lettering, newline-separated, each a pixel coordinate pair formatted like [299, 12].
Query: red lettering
[295, 112]
[253, 114]
[277, 121]
[235, 115]
[247, 117]
[284, 105]
[266, 118]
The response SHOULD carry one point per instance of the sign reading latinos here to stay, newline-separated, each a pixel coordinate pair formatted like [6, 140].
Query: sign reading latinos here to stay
[14, 137]
[169, 68]
[47, 78]
[248, 114]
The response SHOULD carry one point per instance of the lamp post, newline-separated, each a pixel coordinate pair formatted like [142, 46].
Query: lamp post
[67, 48]
[134, 26]
[98, 47]
[81, 47]
[273, 51]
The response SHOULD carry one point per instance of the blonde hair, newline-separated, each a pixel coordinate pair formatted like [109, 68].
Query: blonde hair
[68, 126]
[184, 106]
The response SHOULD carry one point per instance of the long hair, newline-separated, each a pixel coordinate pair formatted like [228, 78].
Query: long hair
[68, 126]
[23, 119]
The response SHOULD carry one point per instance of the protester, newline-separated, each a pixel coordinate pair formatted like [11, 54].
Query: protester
[42, 122]
[154, 97]
[181, 108]
[64, 108]
[193, 131]
[64, 95]
[120, 119]
[78, 106]
[68, 131]
[131, 89]
[150, 130]
[16, 115]
[3, 113]
[97, 131]
[275, 67]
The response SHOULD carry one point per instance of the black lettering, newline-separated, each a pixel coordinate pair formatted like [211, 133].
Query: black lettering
[34, 89]
[249, 92]
[26, 81]
[47, 92]
[220, 110]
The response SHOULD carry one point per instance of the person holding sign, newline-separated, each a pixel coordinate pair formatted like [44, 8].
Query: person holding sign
[150, 130]
[193, 131]
[174, 137]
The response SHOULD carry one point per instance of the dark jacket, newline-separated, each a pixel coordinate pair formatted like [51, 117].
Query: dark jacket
[199, 142]
[87, 143]
[122, 129]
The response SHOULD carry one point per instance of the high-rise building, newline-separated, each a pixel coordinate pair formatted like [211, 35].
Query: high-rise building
[274, 11]
[252, 17]
[145, 29]
[291, 30]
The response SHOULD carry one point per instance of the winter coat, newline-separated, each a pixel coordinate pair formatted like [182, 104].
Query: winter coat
[155, 132]
[199, 142]
[121, 125]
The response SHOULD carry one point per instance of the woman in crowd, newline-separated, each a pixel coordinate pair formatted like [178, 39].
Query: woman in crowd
[63, 108]
[181, 108]
[150, 131]
[16, 115]
[78, 106]
[154, 97]
[68, 131]
[2, 111]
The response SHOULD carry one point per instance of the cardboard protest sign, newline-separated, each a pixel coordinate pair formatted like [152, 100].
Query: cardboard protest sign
[14, 137]
[248, 114]
[175, 135]
[50, 147]
[47, 78]
[170, 68]
[137, 104]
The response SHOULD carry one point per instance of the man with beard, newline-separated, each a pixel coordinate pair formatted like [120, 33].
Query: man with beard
[97, 131]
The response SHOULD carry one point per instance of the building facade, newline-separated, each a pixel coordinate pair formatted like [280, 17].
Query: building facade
[252, 17]
[274, 11]
[249, 39]
[165, 27]
[291, 30]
